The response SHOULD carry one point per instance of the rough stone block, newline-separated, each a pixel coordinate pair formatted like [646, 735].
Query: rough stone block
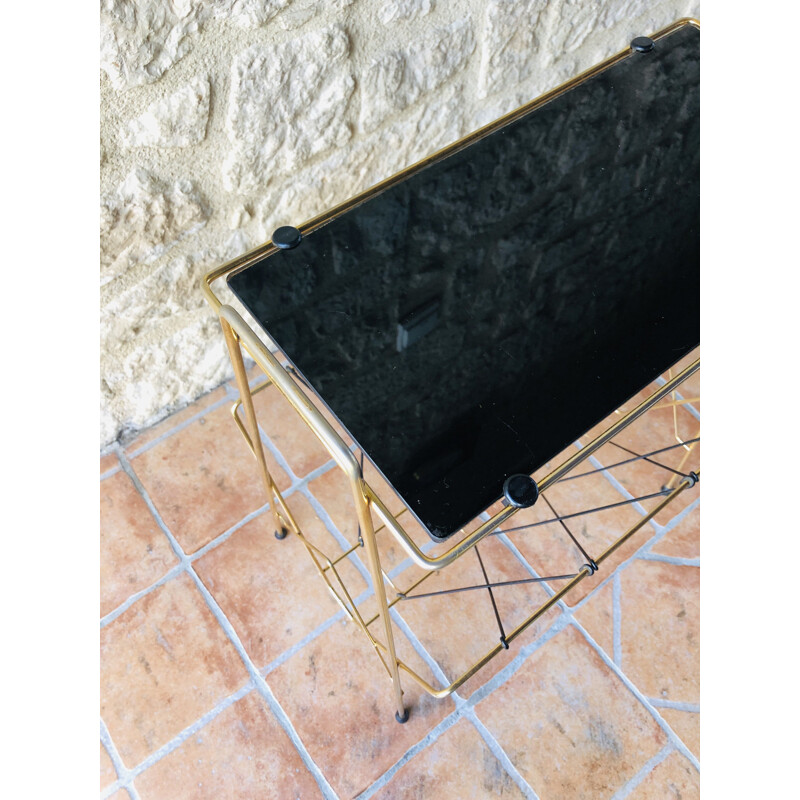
[396, 10]
[143, 217]
[510, 42]
[175, 121]
[397, 79]
[287, 104]
[140, 40]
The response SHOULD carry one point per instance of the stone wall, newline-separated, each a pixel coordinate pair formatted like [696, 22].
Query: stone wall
[223, 119]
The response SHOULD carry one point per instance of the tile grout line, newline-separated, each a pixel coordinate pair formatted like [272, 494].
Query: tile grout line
[213, 544]
[423, 653]
[110, 473]
[500, 754]
[223, 704]
[177, 428]
[297, 484]
[568, 613]
[178, 569]
[340, 538]
[643, 772]
[677, 705]
[429, 738]
[109, 449]
[615, 577]
[636, 555]
[637, 506]
[624, 492]
[504, 538]
[338, 616]
[462, 707]
[677, 560]
[180, 738]
[264, 690]
[461, 703]
[639, 695]
[688, 406]
[113, 450]
[283, 657]
[462, 710]
[616, 617]
[230, 394]
[226, 626]
[116, 760]
[516, 663]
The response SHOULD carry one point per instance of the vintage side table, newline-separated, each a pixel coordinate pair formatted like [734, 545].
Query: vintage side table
[467, 320]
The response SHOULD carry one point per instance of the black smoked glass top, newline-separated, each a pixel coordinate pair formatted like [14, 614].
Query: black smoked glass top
[475, 319]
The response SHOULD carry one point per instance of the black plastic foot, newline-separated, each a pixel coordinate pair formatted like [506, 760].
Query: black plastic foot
[281, 534]
[520, 491]
[286, 237]
[643, 44]
[402, 720]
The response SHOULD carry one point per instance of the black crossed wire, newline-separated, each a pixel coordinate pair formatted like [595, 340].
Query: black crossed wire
[561, 520]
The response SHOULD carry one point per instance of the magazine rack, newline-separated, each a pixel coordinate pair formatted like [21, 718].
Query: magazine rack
[463, 323]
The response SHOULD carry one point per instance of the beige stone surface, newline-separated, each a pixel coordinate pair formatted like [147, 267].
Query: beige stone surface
[176, 121]
[221, 120]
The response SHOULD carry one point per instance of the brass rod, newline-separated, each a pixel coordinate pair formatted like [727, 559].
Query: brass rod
[368, 534]
[247, 401]
[343, 555]
[262, 251]
[685, 483]
[438, 562]
[291, 391]
[547, 605]
[617, 427]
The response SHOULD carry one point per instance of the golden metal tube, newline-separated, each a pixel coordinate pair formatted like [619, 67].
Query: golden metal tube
[547, 605]
[291, 391]
[439, 562]
[684, 484]
[673, 403]
[584, 453]
[368, 535]
[250, 258]
[689, 449]
[338, 450]
[247, 401]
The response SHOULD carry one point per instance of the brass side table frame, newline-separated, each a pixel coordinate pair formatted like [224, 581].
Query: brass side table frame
[238, 335]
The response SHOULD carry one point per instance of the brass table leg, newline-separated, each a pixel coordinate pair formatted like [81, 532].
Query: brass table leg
[368, 535]
[270, 488]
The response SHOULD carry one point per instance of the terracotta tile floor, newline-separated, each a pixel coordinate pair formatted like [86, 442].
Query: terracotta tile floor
[228, 670]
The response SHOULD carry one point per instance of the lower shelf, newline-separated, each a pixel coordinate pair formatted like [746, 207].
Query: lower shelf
[545, 559]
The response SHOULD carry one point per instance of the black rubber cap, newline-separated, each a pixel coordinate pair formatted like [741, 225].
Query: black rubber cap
[642, 44]
[402, 720]
[521, 490]
[286, 237]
